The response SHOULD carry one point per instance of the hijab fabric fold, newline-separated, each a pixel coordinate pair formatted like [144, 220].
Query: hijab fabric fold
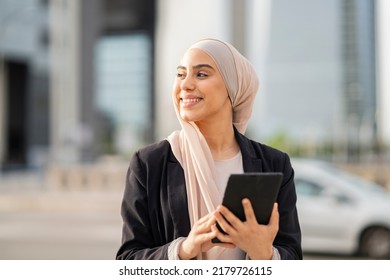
[189, 145]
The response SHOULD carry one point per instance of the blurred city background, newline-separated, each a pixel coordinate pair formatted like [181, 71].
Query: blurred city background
[84, 83]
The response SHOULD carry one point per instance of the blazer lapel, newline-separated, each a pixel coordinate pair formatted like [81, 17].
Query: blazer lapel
[251, 162]
[177, 199]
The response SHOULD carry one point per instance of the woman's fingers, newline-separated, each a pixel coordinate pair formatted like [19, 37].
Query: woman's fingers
[253, 238]
[206, 236]
[224, 238]
[248, 210]
[227, 219]
[274, 219]
[199, 235]
[204, 218]
[204, 224]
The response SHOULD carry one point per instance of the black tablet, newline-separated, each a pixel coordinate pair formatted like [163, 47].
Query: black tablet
[260, 188]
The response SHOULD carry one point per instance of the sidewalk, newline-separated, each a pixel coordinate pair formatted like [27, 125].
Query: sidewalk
[36, 223]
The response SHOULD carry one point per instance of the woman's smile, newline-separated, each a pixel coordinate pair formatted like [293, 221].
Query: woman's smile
[189, 102]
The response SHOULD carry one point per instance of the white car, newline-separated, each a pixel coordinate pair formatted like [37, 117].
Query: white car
[340, 213]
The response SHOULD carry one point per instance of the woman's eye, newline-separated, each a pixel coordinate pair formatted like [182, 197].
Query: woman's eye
[202, 75]
[180, 75]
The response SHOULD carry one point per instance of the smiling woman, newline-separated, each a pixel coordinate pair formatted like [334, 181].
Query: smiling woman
[174, 188]
[200, 91]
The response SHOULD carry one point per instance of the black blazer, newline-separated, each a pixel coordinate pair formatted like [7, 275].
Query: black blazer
[154, 207]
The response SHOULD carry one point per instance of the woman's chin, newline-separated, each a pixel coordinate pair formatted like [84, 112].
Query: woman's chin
[188, 117]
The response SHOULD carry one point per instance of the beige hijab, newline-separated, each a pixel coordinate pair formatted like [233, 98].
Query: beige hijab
[190, 147]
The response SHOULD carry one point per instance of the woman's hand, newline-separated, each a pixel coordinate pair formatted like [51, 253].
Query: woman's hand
[253, 238]
[199, 238]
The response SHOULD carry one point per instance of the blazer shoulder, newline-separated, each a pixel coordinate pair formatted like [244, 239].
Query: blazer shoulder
[152, 155]
[254, 149]
[271, 152]
[154, 151]
[272, 158]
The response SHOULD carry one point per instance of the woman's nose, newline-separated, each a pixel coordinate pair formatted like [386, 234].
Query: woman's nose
[187, 83]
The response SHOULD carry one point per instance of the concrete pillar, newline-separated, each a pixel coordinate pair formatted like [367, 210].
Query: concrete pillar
[65, 126]
[74, 26]
[258, 20]
[90, 22]
[383, 67]
[238, 25]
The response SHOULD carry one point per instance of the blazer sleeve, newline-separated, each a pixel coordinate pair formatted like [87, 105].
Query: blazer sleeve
[137, 234]
[288, 239]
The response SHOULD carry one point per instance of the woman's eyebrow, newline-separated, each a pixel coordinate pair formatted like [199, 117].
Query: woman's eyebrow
[180, 67]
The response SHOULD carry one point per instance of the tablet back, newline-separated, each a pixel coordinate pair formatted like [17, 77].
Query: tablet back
[260, 188]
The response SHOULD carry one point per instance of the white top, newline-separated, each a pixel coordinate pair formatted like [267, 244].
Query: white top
[223, 169]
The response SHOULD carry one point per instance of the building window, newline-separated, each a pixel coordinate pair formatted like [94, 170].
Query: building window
[123, 87]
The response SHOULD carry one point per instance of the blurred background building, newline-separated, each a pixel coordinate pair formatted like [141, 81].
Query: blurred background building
[321, 81]
[24, 83]
[84, 79]
[87, 82]
[76, 80]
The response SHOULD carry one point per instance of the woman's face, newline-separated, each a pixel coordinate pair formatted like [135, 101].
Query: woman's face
[199, 90]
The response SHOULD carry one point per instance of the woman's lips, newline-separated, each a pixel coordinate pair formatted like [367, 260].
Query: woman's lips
[187, 102]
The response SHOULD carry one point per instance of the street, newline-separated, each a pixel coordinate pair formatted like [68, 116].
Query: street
[59, 236]
[60, 225]
[66, 226]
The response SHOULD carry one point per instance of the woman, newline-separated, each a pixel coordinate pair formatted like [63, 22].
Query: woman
[174, 188]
